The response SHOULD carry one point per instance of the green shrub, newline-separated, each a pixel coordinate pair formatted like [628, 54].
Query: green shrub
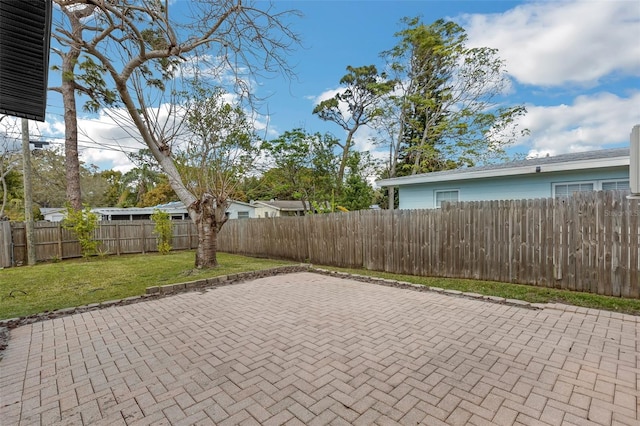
[83, 224]
[163, 229]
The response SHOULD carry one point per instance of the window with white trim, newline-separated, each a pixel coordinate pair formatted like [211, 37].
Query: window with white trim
[561, 190]
[243, 215]
[567, 189]
[617, 185]
[451, 196]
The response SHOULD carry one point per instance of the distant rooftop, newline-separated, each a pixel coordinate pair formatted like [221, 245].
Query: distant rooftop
[285, 205]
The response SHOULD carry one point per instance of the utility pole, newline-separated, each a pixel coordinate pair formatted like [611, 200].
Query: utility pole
[28, 199]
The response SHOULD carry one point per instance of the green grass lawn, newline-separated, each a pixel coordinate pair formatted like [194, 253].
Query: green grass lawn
[44, 287]
[49, 286]
[513, 291]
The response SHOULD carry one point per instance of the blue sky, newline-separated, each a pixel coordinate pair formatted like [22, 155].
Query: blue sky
[340, 33]
[574, 64]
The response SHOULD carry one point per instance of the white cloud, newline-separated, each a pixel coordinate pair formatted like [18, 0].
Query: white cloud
[326, 95]
[262, 125]
[589, 123]
[108, 138]
[560, 42]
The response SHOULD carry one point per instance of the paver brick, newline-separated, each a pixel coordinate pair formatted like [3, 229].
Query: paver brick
[505, 416]
[459, 417]
[344, 412]
[314, 349]
[367, 418]
[552, 416]
[281, 418]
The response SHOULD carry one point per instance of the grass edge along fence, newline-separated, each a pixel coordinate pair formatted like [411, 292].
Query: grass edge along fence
[588, 242]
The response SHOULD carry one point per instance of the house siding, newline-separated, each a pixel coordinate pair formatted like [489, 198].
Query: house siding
[539, 185]
[247, 210]
[266, 211]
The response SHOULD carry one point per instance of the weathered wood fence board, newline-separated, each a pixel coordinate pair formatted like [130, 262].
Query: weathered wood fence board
[589, 242]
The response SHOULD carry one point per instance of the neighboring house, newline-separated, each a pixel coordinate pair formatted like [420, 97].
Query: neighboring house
[176, 210]
[545, 177]
[278, 208]
[240, 210]
[236, 210]
[53, 214]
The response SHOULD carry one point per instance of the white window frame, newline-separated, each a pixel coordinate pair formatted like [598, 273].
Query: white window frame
[597, 184]
[245, 215]
[614, 181]
[440, 191]
[581, 182]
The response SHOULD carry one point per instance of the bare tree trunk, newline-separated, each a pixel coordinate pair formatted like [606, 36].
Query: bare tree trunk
[207, 243]
[209, 216]
[68, 91]
[8, 162]
[4, 196]
[3, 178]
[71, 160]
[345, 155]
[393, 162]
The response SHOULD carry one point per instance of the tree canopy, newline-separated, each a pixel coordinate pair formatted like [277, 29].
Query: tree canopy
[355, 105]
[303, 166]
[447, 103]
[447, 109]
[438, 104]
[220, 148]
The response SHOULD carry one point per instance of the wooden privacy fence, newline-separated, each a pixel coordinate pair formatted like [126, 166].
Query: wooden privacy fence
[115, 237]
[587, 243]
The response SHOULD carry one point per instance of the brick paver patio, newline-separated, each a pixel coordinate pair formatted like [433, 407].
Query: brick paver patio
[311, 349]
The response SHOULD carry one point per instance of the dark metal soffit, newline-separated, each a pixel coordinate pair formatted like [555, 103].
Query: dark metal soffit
[25, 34]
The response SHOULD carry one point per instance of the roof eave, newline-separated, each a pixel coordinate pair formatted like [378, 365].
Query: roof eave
[264, 204]
[599, 163]
[25, 39]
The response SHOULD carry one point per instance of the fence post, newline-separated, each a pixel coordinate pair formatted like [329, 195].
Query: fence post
[144, 239]
[118, 248]
[60, 241]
